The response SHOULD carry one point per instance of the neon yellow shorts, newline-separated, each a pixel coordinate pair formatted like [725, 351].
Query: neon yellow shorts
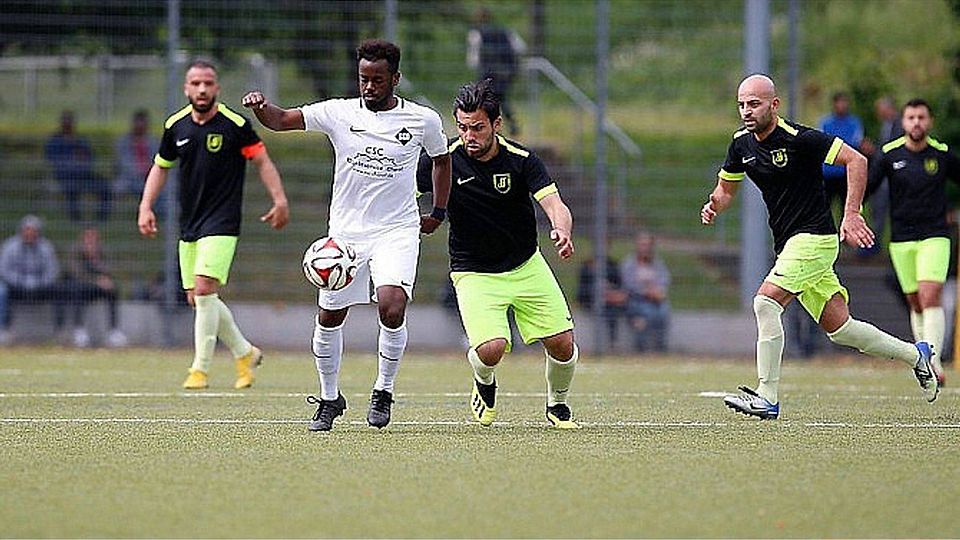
[530, 289]
[210, 256]
[920, 260]
[805, 268]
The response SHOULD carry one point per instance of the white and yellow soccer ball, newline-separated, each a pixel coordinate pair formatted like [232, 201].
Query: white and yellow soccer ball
[330, 264]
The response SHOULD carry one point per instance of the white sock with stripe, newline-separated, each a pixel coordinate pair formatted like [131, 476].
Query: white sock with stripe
[327, 349]
[390, 346]
[934, 327]
[481, 371]
[769, 346]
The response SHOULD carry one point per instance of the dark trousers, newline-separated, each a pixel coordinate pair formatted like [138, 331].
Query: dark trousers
[81, 294]
[55, 294]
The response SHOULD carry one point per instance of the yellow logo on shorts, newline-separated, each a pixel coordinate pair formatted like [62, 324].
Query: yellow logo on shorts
[501, 182]
[779, 157]
[931, 165]
[214, 142]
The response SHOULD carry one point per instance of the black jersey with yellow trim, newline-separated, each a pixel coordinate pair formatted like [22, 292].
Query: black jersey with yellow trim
[212, 168]
[786, 166]
[918, 187]
[493, 226]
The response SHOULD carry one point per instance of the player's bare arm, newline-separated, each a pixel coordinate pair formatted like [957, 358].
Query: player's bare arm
[272, 116]
[853, 228]
[442, 170]
[562, 222]
[146, 219]
[279, 214]
[720, 199]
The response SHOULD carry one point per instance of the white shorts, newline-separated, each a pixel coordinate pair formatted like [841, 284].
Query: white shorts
[387, 259]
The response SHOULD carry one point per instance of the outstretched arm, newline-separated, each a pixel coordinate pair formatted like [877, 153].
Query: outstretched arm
[271, 116]
[279, 214]
[562, 222]
[720, 199]
[853, 228]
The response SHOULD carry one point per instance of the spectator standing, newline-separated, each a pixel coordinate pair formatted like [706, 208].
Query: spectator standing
[646, 280]
[72, 160]
[133, 156]
[890, 128]
[840, 123]
[28, 272]
[492, 51]
[91, 280]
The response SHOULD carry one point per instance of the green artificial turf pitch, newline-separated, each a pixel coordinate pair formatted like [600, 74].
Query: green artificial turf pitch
[105, 444]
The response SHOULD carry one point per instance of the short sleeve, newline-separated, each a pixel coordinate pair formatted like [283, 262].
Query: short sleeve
[538, 180]
[319, 116]
[167, 153]
[424, 173]
[434, 141]
[732, 170]
[250, 143]
[825, 147]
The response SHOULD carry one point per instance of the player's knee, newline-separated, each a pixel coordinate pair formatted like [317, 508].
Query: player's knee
[560, 346]
[392, 316]
[492, 351]
[767, 311]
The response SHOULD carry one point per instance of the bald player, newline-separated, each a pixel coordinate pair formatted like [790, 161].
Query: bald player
[784, 160]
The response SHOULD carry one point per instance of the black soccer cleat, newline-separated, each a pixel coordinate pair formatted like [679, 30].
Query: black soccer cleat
[560, 417]
[327, 412]
[379, 414]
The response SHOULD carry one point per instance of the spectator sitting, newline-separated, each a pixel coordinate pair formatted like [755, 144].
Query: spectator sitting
[849, 128]
[91, 280]
[72, 162]
[133, 156]
[614, 297]
[28, 272]
[646, 280]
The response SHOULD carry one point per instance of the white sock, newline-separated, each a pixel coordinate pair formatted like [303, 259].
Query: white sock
[205, 322]
[769, 346]
[869, 339]
[390, 346]
[916, 325]
[559, 377]
[327, 351]
[934, 326]
[228, 331]
[481, 371]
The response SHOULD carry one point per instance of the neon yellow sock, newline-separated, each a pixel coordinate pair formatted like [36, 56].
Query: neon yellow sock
[229, 332]
[769, 346]
[869, 339]
[934, 327]
[481, 371]
[916, 325]
[205, 323]
[559, 377]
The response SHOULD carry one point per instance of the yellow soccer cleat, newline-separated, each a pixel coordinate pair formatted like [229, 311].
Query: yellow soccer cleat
[197, 380]
[245, 366]
[483, 401]
[560, 417]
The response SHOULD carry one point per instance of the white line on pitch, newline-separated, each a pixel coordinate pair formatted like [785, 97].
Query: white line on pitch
[621, 424]
[280, 394]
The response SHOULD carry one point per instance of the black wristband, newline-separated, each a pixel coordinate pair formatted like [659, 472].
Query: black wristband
[438, 214]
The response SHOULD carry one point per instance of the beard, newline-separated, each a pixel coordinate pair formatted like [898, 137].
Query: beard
[204, 108]
[920, 135]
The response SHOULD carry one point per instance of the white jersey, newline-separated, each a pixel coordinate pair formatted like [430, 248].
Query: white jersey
[374, 182]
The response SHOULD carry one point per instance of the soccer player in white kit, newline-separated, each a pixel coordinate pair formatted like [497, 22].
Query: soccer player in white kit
[377, 139]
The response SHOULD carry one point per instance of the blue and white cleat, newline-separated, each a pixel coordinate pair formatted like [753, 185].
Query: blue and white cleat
[751, 404]
[925, 372]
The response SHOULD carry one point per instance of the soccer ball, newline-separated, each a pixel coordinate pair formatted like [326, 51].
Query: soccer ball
[329, 264]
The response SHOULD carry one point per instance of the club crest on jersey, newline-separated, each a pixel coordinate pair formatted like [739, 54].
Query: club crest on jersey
[501, 182]
[931, 165]
[779, 157]
[404, 136]
[214, 142]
